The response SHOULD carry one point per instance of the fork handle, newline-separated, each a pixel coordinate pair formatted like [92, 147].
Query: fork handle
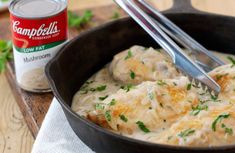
[180, 59]
[180, 36]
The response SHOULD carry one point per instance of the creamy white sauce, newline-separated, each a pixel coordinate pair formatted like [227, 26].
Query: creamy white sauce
[99, 91]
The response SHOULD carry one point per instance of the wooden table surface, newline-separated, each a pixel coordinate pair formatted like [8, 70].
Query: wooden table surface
[14, 134]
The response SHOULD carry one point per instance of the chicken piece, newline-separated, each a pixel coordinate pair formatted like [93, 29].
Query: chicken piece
[211, 127]
[148, 106]
[225, 77]
[139, 64]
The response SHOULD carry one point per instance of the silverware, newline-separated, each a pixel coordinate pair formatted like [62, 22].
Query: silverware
[179, 58]
[203, 57]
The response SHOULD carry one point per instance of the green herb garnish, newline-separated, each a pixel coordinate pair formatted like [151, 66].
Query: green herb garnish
[198, 109]
[219, 76]
[108, 115]
[232, 60]
[127, 87]
[161, 83]
[129, 55]
[214, 98]
[101, 88]
[113, 102]
[89, 82]
[142, 127]
[227, 130]
[132, 74]
[103, 98]
[76, 21]
[99, 106]
[218, 119]
[5, 54]
[85, 88]
[186, 133]
[189, 86]
[123, 118]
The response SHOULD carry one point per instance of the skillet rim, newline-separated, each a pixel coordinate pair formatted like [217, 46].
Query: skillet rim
[103, 130]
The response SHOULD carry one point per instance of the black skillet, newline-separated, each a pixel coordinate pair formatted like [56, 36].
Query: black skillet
[91, 50]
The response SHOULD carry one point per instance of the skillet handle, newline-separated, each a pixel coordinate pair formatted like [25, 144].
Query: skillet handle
[183, 6]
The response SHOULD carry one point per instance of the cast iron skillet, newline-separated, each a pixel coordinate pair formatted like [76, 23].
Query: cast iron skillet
[91, 50]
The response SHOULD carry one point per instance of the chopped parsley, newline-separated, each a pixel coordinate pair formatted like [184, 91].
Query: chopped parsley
[84, 91]
[186, 133]
[232, 60]
[127, 87]
[204, 101]
[113, 102]
[218, 119]
[227, 130]
[101, 88]
[220, 76]
[108, 115]
[123, 118]
[189, 86]
[103, 98]
[129, 55]
[142, 127]
[89, 82]
[214, 98]
[99, 106]
[132, 74]
[85, 88]
[161, 83]
[198, 109]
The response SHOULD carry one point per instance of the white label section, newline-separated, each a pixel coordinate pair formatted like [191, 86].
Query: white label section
[25, 62]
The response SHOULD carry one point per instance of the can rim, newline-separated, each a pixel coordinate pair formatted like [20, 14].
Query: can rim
[14, 2]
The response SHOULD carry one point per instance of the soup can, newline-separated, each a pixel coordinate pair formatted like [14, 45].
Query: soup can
[39, 29]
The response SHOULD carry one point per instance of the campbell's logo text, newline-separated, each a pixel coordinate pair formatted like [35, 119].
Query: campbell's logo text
[43, 30]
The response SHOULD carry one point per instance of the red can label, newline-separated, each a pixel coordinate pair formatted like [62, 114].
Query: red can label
[35, 42]
[45, 32]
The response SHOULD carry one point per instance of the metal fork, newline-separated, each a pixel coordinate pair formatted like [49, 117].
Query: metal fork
[179, 58]
[203, 57]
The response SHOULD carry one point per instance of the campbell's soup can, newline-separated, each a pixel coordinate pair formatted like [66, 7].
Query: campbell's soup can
[39, 30]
